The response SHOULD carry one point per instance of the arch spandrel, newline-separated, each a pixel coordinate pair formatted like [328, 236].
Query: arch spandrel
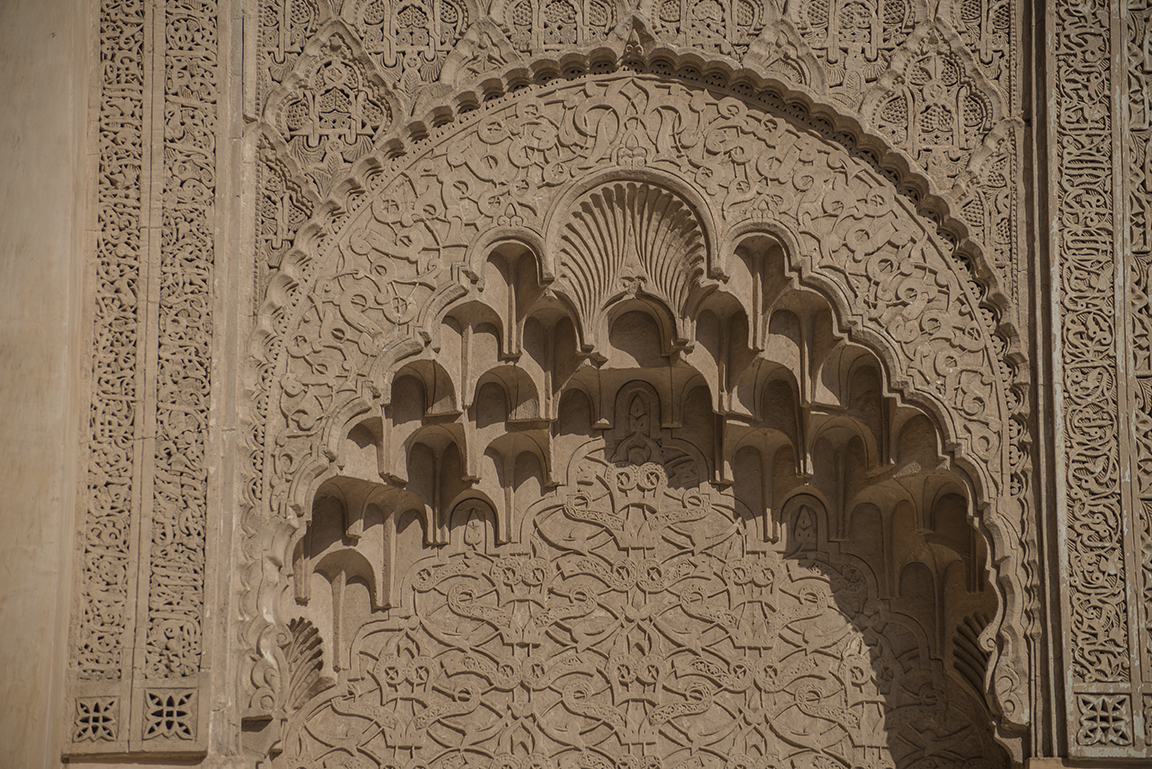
[375, 293]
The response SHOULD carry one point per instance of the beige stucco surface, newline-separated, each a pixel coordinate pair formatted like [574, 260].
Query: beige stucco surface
[41, 124]
[352, 343]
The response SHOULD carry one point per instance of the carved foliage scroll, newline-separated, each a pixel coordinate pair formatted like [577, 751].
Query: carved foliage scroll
[102, 625]
[285, 204]
[107, 530]
[988, 29]
[1099, 625]
[935, 105]
[173, 643]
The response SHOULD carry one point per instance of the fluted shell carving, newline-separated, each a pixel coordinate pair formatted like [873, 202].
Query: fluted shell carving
[629, 237]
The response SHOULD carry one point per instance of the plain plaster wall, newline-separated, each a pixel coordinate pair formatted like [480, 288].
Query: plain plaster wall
[42, 126]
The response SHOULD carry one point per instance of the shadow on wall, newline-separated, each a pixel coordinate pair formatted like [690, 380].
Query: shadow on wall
[650, 555]
[640, 617]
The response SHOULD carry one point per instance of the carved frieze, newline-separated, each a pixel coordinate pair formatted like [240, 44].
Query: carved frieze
[411, 40]
[553, 25]
[727, 27]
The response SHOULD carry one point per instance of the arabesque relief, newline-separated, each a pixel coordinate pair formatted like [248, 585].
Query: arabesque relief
[603, 335]
[608, 384]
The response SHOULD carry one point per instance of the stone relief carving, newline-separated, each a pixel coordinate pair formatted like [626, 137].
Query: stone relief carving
[635, 615]
[334, 78]
[1099, 628]
[1139, 196]
[934, 103]
[333, 109]
[285, 204]
[107, 523]
[728, 28]
[183, 380]
[409, 249]
[988, 30]
[810, 46]
[285, 27]
[553, 25]
[1101, 245]
[854, 40]
[410, 40]
[97, 719]
[143, 539]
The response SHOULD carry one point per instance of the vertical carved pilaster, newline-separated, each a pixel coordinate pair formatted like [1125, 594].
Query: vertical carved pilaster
[1137, 249]
[139, 626]
[1087, 267]
[103, 619]
[1102, 251]
[170, 629]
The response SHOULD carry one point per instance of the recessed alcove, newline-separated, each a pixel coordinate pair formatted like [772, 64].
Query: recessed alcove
[599, 514]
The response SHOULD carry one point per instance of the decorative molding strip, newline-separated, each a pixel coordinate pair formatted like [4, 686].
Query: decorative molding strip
[147, 479]
[1138, 177]
[173, 642]
[1102, 255]
[113, 416]
[1098, 627]
[102, 662]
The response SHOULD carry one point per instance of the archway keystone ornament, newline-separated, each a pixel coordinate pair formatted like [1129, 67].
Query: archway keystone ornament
[675, 259]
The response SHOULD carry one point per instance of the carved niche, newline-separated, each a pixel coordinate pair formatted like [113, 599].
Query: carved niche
[628, 422]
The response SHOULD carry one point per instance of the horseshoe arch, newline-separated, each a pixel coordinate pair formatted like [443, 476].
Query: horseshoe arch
[685, 265]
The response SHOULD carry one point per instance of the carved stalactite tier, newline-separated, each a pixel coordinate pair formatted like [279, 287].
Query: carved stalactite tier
[630, 575]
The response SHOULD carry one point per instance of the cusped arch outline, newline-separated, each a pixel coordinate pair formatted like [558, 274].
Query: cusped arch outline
[311, 397]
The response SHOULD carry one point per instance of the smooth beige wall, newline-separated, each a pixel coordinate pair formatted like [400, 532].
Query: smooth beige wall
[42, 122]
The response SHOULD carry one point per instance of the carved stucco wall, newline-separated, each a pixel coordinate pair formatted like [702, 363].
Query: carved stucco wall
[634, 159]
[311, 215]
[1099, 134]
